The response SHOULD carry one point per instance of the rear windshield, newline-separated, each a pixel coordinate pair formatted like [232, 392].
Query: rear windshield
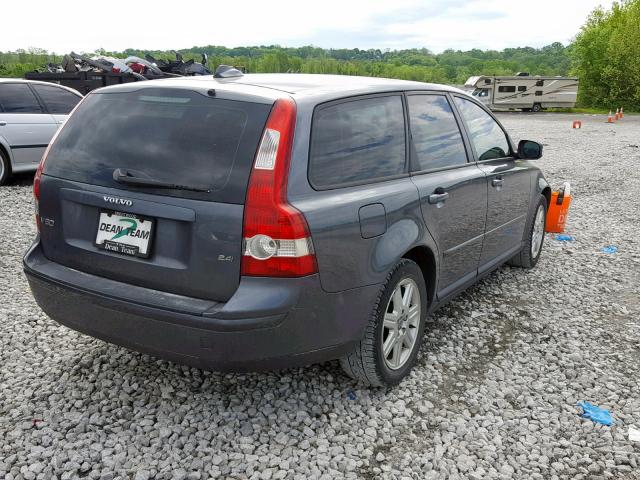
[175, 136]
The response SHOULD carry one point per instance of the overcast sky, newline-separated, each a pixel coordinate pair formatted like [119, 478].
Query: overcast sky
[63, 26]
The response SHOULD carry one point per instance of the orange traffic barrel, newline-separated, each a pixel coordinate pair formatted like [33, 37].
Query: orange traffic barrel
[558, 209]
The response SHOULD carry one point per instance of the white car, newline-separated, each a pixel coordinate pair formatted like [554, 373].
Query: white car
[30, 114]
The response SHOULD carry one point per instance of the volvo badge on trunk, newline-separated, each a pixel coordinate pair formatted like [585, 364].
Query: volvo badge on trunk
[117, 201]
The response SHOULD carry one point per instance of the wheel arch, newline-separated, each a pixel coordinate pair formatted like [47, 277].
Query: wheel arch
[426, 260]
[543, 188]
[4, 148]
[5, 152]
[546, 191]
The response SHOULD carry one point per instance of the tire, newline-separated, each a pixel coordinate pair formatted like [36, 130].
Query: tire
[536, 108]
[367, 363]
[5, 168]
[531, 251]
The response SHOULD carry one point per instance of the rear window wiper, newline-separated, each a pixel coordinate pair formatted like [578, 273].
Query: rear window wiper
[121, 175]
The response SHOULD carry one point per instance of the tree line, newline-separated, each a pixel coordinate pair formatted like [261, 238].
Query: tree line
[450, 66]
[605, 55]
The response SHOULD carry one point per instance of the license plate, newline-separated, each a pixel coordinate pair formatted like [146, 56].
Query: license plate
[125, 234]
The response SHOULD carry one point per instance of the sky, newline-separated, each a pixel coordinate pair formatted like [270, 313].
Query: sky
[85, 26]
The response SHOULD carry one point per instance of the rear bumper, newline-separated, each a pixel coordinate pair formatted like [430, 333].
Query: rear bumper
[268, 323]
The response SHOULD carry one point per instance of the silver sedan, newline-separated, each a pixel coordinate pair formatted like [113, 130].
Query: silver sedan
[30, 114]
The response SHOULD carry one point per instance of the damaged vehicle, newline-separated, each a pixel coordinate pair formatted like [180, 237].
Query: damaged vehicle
[250, 222]
[85, 74]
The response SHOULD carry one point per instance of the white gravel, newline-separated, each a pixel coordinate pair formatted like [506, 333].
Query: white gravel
[493, 396]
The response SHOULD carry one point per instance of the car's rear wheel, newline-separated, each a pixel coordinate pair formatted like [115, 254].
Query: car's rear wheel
[393, 336]
[532, 249]
[5, 168]
[536, 107]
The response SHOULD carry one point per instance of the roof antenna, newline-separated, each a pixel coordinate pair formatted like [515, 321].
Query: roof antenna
[227, 71]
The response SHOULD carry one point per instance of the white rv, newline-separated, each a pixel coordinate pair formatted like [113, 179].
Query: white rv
[523, 91]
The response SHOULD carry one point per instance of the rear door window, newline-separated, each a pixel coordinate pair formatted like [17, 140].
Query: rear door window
[57, 100]
[487, 137]
[436, 137]
[175, 136]
[18, 98]
[357, 141]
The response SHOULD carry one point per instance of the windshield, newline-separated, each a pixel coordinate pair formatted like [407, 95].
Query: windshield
[169, 135]
[480, 92]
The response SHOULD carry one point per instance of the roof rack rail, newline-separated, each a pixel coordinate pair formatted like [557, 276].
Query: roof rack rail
[227, 71]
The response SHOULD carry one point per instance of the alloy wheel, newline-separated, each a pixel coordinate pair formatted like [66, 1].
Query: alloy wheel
[401, 324]
[538, 232]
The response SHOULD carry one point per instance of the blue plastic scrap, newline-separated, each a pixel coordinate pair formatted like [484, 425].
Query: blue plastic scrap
[610, 249]
[596, 414]
[564, 237]
[351, 395]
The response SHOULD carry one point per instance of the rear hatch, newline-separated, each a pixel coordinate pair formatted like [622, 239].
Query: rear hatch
[147, 187]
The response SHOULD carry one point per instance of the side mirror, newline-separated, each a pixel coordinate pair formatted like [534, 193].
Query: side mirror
[529, 150]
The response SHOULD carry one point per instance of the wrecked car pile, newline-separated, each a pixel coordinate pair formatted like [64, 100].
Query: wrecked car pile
[84, 73]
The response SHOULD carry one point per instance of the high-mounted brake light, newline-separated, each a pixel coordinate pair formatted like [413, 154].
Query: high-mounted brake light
[277, 242]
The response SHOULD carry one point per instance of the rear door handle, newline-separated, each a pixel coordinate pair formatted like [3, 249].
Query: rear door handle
[497, 182]
[2, 123]
[439, 196]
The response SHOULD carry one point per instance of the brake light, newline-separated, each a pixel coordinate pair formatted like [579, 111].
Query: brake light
[277, 242]
[36, 182]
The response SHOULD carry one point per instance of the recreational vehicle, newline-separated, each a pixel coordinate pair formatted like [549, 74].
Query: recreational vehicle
[524, 92]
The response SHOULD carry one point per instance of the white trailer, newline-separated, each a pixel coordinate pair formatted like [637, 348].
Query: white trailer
[524, 92]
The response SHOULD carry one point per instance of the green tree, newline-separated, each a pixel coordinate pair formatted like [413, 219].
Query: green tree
[606, 57]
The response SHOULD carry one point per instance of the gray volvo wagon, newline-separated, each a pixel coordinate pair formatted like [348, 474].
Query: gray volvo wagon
[265, 221]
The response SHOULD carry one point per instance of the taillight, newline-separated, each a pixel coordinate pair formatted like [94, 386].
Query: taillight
[277, 242]
[36, 182]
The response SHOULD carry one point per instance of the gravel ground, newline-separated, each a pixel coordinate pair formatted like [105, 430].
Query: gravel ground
[493, 395]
